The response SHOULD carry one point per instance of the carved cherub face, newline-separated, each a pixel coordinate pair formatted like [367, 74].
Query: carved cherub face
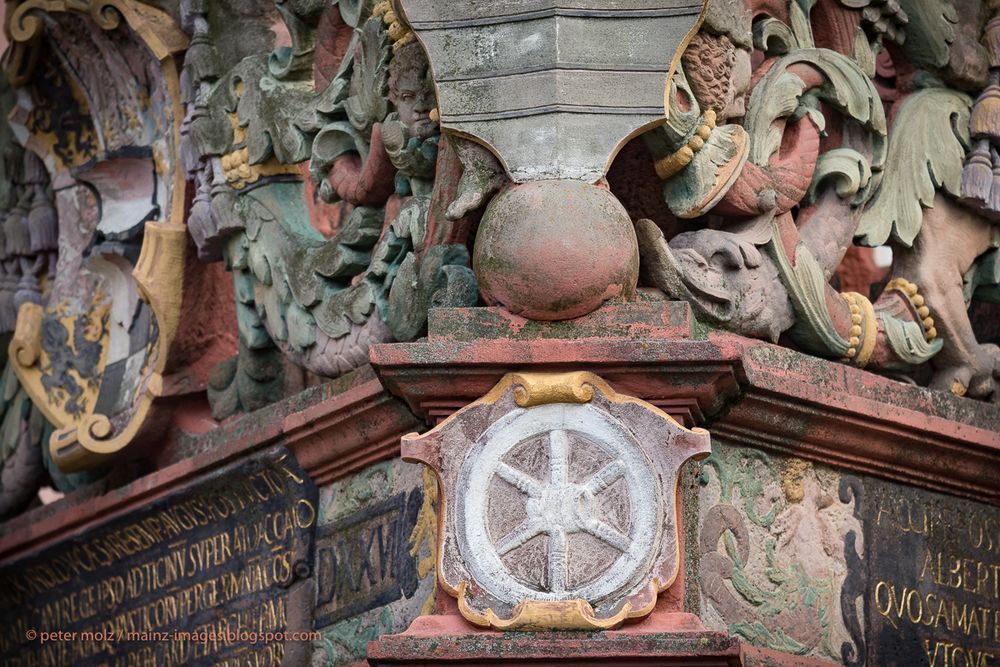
[719, 73]
[411, 90]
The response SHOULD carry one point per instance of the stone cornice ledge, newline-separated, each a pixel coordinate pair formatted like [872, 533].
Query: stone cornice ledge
[745, 391]
[835, 414]
[333, 429]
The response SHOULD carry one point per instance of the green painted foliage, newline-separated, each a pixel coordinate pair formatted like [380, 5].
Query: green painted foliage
[926, 154]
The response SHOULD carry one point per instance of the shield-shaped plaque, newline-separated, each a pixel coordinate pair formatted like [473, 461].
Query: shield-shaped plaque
[559, 502]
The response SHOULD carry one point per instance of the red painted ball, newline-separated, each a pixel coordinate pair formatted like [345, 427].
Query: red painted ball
[555, 250]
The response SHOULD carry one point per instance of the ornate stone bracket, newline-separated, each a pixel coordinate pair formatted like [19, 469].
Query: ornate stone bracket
[554, 90]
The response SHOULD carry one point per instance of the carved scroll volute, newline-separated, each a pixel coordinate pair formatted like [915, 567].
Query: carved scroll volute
[554, 90]
[548, 470]
[96, 385]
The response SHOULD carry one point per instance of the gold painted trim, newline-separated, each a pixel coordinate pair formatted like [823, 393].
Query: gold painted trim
[871, 330]
[537, 615]
[159, 273]
[921, 308]
[864, 329]
[159, 32]
[538, 389]
[672, 164]
[25, 347]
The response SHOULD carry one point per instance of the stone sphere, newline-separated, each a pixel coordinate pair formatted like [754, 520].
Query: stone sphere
[555, 250]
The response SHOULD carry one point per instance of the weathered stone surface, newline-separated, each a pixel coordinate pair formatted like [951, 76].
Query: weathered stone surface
[758, 394]
[561, 494]
[553, 88]
[810, 561]
[375, 557]
[555, 250]
[348, 109]
[675, 640]
[771, 551]
[334, 430]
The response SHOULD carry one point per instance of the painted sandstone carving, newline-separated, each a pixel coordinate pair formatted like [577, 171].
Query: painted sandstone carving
[327, 187]
[353, 124]
[810, 168]
[550, 92]
[343, 170]
[772, 564]
[100, 183]
[556, 513]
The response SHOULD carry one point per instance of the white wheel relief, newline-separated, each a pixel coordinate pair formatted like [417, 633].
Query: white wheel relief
[568, 503]
[558, 502]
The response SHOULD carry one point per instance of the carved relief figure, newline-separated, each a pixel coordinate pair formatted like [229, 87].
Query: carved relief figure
[772, 562]
[360, 121]
[818, 172]
[776, 147]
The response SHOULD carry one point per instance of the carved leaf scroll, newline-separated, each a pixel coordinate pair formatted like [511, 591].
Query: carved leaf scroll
[935, 123]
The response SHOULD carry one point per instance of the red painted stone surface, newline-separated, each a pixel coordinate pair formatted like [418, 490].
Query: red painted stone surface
[760, 394]
[858, 271]
[555, 250]
[334, 430]
[662, 639]
[208, 334]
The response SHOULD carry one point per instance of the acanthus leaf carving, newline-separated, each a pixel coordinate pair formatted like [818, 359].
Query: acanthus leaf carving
[823, 167]
[367, 144]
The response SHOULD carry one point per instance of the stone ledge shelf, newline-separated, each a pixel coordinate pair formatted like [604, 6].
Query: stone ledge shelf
[663, 639]
[334, 430]
[744, 391]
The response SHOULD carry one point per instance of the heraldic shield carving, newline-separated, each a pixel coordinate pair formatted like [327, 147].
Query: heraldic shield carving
[559, 502]
[95, 265]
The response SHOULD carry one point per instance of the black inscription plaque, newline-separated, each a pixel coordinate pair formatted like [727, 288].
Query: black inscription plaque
[927, 576]
[363, 560]
[215, 574]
